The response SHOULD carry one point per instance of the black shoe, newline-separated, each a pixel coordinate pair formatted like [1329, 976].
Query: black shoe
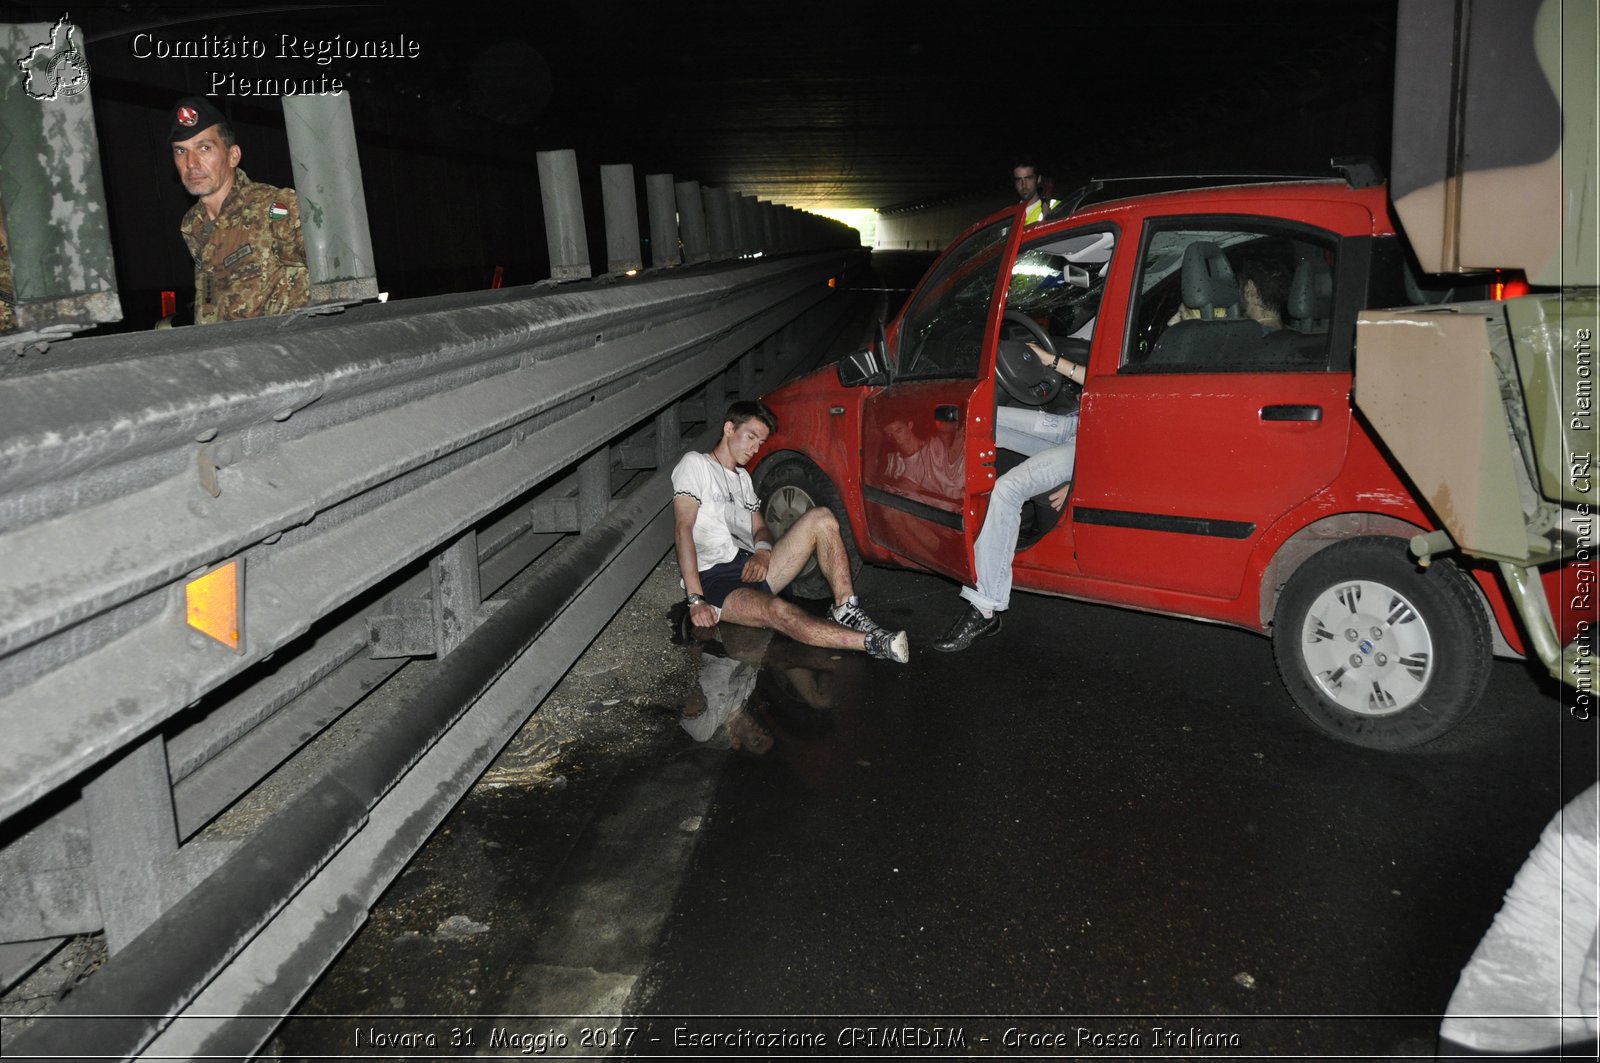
[969, 627]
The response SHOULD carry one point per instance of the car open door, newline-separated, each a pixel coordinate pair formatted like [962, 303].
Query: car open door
[927, 433]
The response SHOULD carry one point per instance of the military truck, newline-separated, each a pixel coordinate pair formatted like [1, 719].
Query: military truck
[1488, 406]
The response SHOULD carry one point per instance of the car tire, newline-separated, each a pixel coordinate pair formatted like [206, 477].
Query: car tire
[788, 491]
[1377, 651]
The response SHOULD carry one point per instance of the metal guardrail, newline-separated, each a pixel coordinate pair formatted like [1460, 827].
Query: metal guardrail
[375, 472]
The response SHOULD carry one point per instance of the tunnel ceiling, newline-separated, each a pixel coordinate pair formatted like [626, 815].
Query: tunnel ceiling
[824, 104]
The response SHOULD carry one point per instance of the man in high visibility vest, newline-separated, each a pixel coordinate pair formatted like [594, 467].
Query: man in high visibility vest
[1025, 178]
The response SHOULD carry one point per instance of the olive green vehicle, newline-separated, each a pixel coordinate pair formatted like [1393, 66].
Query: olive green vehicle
[1488, 406]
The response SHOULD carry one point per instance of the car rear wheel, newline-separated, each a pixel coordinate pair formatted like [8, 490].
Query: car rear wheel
[787, 492]
[1377, 651]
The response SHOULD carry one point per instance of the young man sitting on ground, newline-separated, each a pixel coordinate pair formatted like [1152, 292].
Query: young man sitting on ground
[732, 570]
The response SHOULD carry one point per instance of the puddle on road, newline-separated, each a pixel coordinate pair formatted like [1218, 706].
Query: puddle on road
[760, 693]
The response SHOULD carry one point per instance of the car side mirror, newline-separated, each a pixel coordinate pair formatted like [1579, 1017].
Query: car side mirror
[863, 368]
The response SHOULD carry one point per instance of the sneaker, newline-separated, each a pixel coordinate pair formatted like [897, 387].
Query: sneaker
[849, 613]
[889, 646]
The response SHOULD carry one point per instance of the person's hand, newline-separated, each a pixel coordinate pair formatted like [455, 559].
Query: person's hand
[1058, 497]
[704, 615]
[755, 569]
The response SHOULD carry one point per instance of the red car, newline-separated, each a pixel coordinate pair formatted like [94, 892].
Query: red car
[1221, 472]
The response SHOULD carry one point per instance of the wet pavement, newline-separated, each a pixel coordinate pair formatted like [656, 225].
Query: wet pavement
[1094, 826]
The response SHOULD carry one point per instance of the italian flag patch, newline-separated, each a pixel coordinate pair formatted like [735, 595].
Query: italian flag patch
[277, 212]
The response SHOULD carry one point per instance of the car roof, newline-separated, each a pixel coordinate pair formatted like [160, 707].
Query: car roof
[1250, 191]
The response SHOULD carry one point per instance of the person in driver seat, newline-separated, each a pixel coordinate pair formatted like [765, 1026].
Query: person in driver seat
[1051, 442]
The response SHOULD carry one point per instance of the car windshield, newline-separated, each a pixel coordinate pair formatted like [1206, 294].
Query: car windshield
[1059, 283]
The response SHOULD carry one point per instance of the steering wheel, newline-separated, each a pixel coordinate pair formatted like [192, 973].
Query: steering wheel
[1021, 373]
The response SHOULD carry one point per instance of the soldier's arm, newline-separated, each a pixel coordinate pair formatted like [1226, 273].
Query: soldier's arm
[287, 237]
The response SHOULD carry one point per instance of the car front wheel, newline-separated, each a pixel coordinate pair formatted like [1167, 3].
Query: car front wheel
[1377, 651]
[787, 492]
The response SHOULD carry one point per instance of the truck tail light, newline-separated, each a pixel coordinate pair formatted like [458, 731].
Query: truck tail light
[1508, 284]
[169, 303]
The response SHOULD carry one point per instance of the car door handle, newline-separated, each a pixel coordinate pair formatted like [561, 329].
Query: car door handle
[1291, 413]
[947, 413]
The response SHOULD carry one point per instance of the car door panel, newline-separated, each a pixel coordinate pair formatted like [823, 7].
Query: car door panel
[1186, 468]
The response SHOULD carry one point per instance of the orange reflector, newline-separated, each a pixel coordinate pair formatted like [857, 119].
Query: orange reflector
[833, 282]
[216, 603]
[169, 303]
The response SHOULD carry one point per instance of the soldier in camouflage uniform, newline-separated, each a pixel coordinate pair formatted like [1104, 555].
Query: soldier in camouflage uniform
[249, 255]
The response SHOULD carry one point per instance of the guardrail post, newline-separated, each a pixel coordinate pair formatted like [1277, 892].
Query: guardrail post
[621, 205]
[747, 374]
[50, 186]
[563, 215]
[333, 214]
[719, 225]
[133, 833]
[594, 488]
[669, 437]
[692, 222]
[457, 599]
[717, 400]
[663, 211]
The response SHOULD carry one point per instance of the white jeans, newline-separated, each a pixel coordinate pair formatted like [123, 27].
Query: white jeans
[1051, 441]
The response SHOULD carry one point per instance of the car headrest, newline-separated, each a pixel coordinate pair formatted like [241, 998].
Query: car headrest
[1209, 285]
[1311, 291]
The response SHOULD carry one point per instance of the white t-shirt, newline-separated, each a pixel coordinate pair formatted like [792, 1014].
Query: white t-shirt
[727, 499]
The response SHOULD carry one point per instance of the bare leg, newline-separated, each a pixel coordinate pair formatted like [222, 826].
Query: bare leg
[816, 532]
[753, 608]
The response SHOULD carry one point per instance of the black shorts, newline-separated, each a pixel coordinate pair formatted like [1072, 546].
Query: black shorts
[719, 581]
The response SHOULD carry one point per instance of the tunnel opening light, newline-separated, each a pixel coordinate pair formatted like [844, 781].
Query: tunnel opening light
[863, 220]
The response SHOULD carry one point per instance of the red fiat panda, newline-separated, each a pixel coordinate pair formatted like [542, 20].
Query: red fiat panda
[1221, 472]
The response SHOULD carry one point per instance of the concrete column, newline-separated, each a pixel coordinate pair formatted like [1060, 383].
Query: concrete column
[750, 223]
[333, 201]
[738, 229]
[692, 222]
[621, 205]
[719, 223]
[563, 215]
[663, 209]
[769, 228]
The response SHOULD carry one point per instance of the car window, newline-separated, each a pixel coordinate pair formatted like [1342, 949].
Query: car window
[1231, 297]
[941, 334]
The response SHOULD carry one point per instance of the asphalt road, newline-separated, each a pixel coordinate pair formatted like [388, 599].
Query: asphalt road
[1098, 825]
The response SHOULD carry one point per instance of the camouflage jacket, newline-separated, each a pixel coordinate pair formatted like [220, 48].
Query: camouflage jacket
[8, 319]
[250, 261]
